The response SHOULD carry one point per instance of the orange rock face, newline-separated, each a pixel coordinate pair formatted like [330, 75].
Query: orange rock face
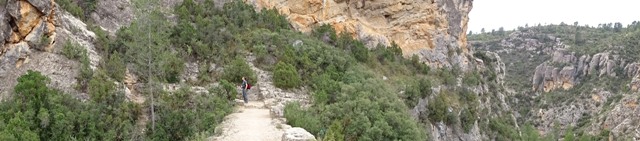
[411, 24]
[30, 26]
[30, 17]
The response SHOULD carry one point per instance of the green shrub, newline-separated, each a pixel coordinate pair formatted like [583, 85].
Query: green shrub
[285, 76]
[326, 89]
[288, 56]
[467, 119]
[325, 30]
[100, 88]
[103, 41]
[472, 79]
[360, 52]
[298, 117]
[448, 77]
[335, 132]
[237, 69]
[76, 52]
[439, 109]
[503, 128]
[228, 89]
[530, 133]
[204, 76]
[183, 114]
[172, 67]
[40, 113]
[115, 67]
[85, 71]
[72, 50]
[420, 67]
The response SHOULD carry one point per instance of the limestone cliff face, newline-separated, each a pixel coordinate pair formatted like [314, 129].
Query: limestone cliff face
[565, 70]
[431, 29]
[25, 25]
[32, 33]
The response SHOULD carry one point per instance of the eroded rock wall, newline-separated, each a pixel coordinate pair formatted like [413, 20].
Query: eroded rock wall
[25, 25]
[565, 70]
[435, 30]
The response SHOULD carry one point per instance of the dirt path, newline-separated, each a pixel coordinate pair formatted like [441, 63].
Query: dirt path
[251, 122]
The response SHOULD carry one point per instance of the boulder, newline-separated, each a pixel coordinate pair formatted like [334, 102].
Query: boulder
[28, 17]
[15, 52]
[277, 110]
[297, 134]
[113, 14]
[5, 28]
[36, 39]
[43, 6]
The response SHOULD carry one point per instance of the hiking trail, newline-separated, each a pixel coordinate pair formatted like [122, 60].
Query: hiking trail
[251, 122]
[262, 118]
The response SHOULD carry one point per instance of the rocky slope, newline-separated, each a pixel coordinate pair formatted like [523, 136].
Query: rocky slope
[25, 26]
[589, 93]
[565, 70]
[435, 30]
[32, 34]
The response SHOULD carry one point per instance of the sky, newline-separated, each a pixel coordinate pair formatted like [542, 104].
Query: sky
[493, 14]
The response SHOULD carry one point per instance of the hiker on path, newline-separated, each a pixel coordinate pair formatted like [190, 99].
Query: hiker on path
[244, 90]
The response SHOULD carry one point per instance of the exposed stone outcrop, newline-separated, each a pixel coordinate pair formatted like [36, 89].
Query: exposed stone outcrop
[431, 29]
[25, 25]
[73, 29]
[591, 110]
[568, 115]
[113, 14]
[565, 70]
[37, 30]
[297, 134]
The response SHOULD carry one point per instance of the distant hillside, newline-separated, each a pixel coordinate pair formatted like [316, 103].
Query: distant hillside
[572, 79]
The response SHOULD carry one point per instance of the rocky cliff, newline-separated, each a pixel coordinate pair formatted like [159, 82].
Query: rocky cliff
[565, 69]
[435, 30]
[32, 32]
[570, 86]
[25, 25]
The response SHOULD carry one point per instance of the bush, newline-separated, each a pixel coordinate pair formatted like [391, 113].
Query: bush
[472, 79]
[467, 119]
[183, 114]
[285, 76]
[325, 33]
[448, 76]
[75, 52]
[172, 67]
[115, 67]
[85, 71]
[228, 89]
[416, 90]
[530, 133]
[335, 132]
[100, 88]
[72, 50]
[298, 117]
[40, 113]
[419, 66]
[360, 52]
[237, 69]
[503, 128]
[439, 109]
